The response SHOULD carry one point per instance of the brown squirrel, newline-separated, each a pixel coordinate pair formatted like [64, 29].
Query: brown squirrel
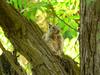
[54, 39]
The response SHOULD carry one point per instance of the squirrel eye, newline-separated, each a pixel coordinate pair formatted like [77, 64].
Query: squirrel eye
[53, 28]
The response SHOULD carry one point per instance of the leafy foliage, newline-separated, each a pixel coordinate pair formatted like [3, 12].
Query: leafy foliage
[64, 13]
[61, 12]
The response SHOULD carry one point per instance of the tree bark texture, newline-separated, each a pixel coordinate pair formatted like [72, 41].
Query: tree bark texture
[90, 37]
[5, 66]
[9, 64]
[26, 39]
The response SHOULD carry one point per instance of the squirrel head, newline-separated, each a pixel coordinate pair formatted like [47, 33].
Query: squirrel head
[54, 29]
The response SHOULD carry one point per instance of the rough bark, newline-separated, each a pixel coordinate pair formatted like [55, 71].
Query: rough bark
[89, 42]
[9, 64]
[5, 66]
[26, 39]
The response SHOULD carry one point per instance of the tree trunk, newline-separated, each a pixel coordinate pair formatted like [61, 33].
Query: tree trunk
[26, 39]
[90, 37]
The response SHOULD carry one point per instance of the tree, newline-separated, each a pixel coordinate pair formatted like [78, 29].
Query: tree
[26, 39]
[89, 37]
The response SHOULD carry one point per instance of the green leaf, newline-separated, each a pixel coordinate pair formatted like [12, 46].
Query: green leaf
[20, 4]
[15, 4]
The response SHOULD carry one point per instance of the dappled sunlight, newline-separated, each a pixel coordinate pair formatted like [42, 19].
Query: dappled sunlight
[6, 43]
[0, 51]
[71, 47]
[63, 14]
[25, 64]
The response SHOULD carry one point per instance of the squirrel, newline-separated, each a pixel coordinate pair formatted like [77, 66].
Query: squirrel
[54, 39]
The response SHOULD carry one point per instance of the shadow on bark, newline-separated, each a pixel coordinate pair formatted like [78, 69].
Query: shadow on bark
[26, 38]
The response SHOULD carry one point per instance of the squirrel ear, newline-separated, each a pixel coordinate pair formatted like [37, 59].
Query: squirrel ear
[50, 25]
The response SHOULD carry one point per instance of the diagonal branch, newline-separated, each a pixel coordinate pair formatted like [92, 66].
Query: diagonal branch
[26, 38]
[59, 17]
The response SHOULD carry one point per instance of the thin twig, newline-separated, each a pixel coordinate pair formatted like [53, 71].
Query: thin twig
[65, 23]
[60, 18]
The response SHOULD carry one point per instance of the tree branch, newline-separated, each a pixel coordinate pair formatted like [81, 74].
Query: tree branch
[11, 59]
[26, 38]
